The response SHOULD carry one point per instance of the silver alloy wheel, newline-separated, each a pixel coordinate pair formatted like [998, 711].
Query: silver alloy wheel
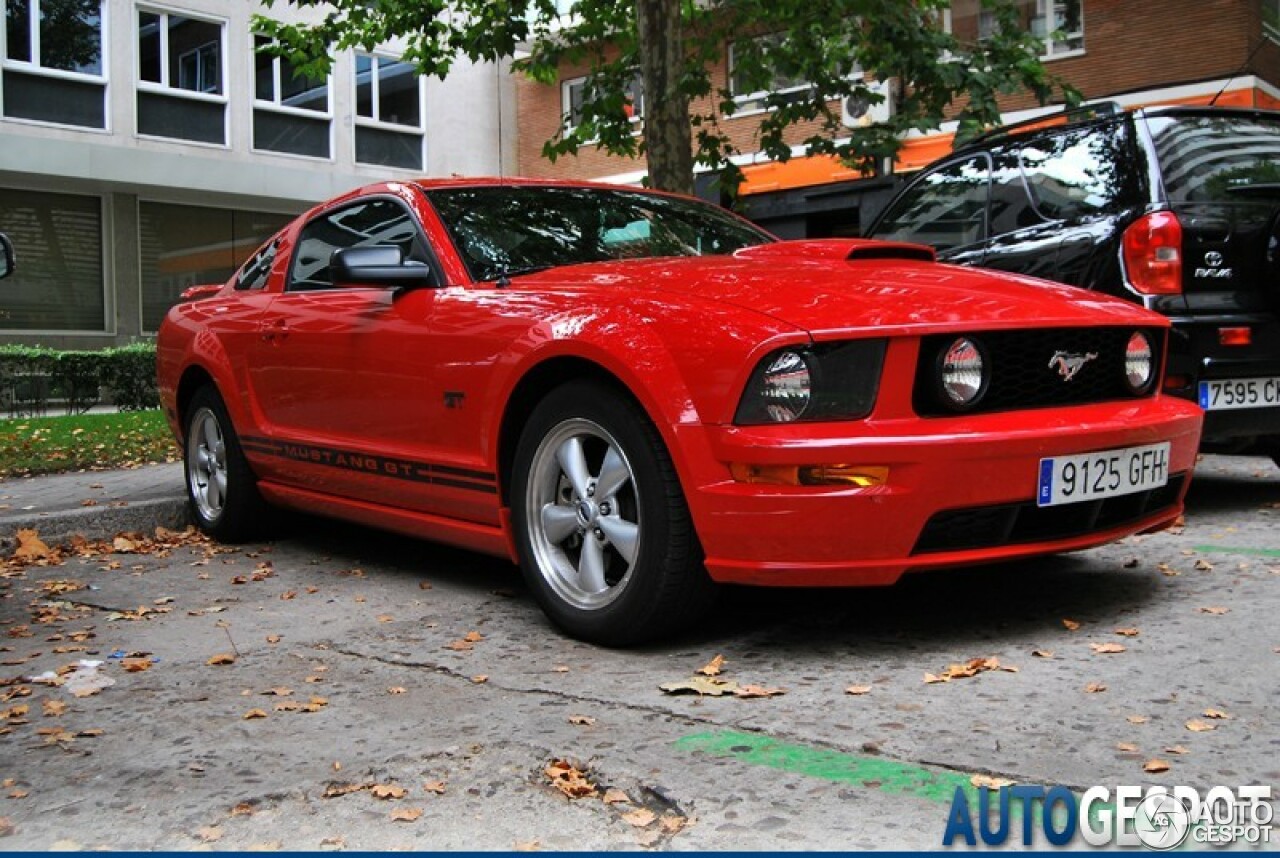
[583, 511]
[207, 464]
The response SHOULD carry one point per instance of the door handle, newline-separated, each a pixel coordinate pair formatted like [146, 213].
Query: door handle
[274, 330]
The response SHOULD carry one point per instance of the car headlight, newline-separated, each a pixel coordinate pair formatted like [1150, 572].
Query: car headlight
[827, 381]
[962, 374]
[1139, 363]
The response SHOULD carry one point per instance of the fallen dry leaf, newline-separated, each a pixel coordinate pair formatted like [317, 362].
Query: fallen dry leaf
[1197, 726]
[752, 691]
[1216, 610]
[274, 639]
[473, 637]
[18, 793]
[406, 814]
[673, 824]
[972, 667]
[1070, 625]
[1095, 688]
[1106, 648]
[30, 546]
[1042, 653]
[136, 665]
[388, 791]
[1126, 747]
[528, 845]
[335, 790]
[480, 678]
[1137, 719]
[1204, 566]
[460, 646]
[1176, 749]
[713, 667]
[858, 689]
[242, 809]
[567, 778]
[209, 834]
[221, 658]
[1167, 570]
[990, 782]
[613, 795]
[385, 618]
[436, 787]
[1155, 767]
[52, 708]
[1128, 632]
[254, 713]
[396, 689]
[581, 720]
[1216, 714]
[641, 817]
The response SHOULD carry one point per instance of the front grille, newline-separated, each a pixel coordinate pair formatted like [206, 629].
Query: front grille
[1023, 373]
[1018, 523]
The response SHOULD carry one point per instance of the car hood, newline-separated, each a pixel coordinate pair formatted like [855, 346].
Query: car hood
[840, 285]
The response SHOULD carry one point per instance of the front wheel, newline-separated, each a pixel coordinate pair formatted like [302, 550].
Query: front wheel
[605, 537]
[221, 488]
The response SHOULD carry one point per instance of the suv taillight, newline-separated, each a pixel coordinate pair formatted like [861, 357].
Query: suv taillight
[1153, 254]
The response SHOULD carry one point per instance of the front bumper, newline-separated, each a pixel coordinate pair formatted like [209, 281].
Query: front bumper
[838, 536]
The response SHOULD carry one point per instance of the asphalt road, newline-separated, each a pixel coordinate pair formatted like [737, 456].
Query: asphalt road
[364, 639]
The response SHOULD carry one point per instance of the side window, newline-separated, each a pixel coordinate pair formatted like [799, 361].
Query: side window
[1078, 172]
[254, 273]
[365, 224]
[1011, 206]
[947, 209]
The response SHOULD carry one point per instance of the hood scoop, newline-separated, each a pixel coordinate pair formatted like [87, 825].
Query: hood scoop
[839, 250]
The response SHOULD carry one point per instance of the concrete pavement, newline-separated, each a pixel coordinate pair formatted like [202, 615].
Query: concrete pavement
[94, 504]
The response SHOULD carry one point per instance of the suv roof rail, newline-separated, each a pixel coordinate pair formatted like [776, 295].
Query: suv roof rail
[1069, 116]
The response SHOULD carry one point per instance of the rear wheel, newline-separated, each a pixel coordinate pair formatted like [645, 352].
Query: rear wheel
[605, 538]
[221, 488]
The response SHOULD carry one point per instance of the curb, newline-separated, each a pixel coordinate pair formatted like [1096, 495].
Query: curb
[102, 522]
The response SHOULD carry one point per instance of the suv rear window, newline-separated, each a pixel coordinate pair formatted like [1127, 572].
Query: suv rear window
[1217, 158]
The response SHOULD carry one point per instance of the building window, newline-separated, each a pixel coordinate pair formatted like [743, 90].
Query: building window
[388, 113]
[53, 64]
[59, 283]
[751, 93]
[185, 246]
[291, 111]
[180, 87]
[1058, 23]
[1271, 19]
[574, 92]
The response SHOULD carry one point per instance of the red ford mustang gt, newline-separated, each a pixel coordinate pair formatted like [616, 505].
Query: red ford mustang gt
[634, 395]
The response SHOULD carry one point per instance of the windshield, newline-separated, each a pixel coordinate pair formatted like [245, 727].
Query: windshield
[513, 229]
[1217, 158]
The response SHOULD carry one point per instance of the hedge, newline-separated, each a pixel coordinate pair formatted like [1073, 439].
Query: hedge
[32, 377]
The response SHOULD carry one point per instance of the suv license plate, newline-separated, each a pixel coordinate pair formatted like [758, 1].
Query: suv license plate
[1239, 393]
[1110, 473]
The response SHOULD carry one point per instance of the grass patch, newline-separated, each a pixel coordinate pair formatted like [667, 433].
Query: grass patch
[46, 445]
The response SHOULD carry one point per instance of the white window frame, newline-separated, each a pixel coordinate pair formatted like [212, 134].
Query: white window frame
[566, 104]
[166, 87]
[33, 66]
[367, 122]
[275, 105]
[759, 95]
[1046, 10]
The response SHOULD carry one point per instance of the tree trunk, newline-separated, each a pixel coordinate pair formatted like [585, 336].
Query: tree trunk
[667, 134]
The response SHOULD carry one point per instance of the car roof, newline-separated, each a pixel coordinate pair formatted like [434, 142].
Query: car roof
[1099, 112]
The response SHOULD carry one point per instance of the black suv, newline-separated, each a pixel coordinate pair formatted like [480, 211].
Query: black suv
[1175, 208]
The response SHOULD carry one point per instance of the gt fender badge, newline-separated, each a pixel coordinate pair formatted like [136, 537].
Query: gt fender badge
[1069, 364]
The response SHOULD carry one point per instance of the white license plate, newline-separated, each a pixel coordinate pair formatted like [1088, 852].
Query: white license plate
[1227, 394]
[1110, 473]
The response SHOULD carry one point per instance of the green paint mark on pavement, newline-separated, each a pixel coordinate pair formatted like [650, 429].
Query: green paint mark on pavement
[1231, 549]
[872, 772]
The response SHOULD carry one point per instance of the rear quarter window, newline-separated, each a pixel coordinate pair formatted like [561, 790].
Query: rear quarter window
[1228, 158]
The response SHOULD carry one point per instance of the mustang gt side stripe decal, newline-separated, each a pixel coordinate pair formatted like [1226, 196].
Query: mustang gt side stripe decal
[400, 469]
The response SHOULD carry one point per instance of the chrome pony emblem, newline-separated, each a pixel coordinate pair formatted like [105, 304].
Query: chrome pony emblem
[1069, 364]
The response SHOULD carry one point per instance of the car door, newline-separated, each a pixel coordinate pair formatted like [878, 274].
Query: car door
[340, 373]
[945, 208]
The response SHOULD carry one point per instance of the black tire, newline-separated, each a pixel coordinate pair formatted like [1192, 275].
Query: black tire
[595, 591]
[222, 491]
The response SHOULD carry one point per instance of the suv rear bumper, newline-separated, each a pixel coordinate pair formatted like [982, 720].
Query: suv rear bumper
[1197, 354]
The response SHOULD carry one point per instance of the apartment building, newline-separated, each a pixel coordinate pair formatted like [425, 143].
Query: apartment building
[147, 147]
[1174, 52]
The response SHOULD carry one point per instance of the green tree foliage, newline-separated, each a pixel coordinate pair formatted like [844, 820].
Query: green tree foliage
[677, 45]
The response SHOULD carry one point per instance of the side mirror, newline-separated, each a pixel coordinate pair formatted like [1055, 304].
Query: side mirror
[7, 261]
[383, 265]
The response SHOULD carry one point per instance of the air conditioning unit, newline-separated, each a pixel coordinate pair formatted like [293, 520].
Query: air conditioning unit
[858, 111]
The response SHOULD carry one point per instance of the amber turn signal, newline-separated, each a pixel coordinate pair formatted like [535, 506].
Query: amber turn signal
[861, 476]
